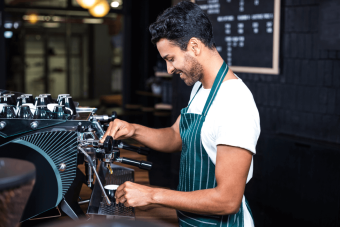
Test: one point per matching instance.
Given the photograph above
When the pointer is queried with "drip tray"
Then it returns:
(116, 210)
(98, 206)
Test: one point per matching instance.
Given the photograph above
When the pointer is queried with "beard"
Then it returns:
(194, 73)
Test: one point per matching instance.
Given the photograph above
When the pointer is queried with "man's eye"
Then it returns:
(171, 59)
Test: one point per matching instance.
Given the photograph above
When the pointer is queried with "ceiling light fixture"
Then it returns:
(87, 4)
(8, 25)
(114, 4)
(100, 9)
(33, 18)
(8, 34)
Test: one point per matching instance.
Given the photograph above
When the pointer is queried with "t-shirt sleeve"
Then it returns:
(238, 122)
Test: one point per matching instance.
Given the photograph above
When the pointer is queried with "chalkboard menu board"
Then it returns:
(246, 33)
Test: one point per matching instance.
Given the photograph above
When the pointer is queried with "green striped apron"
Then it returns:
(197, 171)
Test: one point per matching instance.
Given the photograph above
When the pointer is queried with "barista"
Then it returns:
(217, 132)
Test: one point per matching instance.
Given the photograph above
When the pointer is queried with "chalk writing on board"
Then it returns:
(243, 30)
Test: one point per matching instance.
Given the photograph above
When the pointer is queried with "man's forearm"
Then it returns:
(208, 201)
(164, 139)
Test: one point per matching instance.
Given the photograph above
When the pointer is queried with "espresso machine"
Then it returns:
(57, 136)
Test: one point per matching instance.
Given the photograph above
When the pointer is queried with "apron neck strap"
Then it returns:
(216, 86)
(195, 95)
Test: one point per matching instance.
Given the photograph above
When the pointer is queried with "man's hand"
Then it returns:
(134, 195)
(232, 166)
(164, 139)
(119, 130)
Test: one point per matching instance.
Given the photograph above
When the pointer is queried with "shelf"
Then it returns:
(162, 114)
(163, 74)
(57, 55)
(112, 99)
(133, 106)
(159, 106)
(148, 109)
(163, 106)
(147, 93)
(131, 113)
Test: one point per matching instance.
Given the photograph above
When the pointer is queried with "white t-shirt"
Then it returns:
(233, 118)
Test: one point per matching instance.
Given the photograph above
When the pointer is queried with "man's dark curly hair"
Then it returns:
(182, 22)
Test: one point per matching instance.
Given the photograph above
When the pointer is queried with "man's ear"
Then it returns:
(195, 46)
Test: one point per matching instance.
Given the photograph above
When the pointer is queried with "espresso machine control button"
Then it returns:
(34, 125)
(2, 125)
(62, 167)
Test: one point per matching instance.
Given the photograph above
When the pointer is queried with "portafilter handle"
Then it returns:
(140, 164)
(139, 150)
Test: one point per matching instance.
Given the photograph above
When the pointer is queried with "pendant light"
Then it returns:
(33, 18)
(100, 9)
(87, 4)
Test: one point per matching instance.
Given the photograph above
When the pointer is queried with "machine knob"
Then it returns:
(62, 167)
(80, 128)
(108, 145)
(2, 125)
(34, 124)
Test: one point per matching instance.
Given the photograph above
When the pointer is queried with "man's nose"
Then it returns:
(170, 68)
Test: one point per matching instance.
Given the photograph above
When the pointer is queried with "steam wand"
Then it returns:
(108, 202)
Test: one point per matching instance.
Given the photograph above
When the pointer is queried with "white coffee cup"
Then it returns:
(60, 96)
(2, 106)
(51, 106)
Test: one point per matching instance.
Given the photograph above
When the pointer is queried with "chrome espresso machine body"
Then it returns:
(57, 136)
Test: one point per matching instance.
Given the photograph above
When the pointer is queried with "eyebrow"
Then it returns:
(164, 57)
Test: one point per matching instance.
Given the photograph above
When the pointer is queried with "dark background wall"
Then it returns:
(296, 171)
(140, 58)
(296, 174)
(2, 46)
(140, 55)
(99, 61)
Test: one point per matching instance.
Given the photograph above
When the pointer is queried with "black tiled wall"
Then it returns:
(302, 100)
(296, 171)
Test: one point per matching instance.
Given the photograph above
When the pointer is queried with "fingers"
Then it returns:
(104, 136)
(114, 126)
(120, 192)
(121, 195)
(126, 204)
(122, 200)
(121, 133)
(107, 133)
(119, 129)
